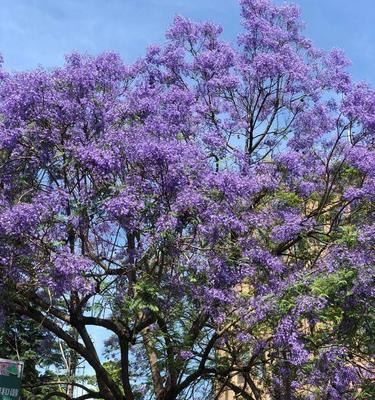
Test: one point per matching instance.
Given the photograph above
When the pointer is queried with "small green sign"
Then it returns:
(10, 379)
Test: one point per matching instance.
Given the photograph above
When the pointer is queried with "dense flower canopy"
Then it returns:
(217, 199)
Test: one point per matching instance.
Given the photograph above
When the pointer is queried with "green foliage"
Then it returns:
(290, 199)
(329, 285)
(348, 235)
(22, 339)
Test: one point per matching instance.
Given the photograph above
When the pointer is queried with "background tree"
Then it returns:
(23, 339)
(211, 206)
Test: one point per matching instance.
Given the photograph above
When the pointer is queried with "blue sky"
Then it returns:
(40, 32)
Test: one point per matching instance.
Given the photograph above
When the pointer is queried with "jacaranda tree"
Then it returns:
(210, 206)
